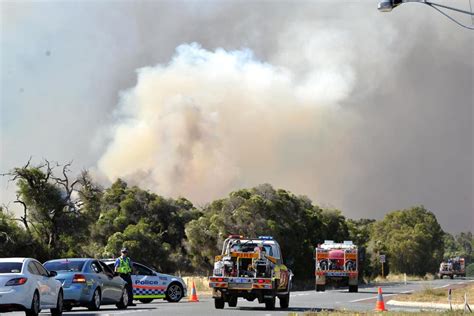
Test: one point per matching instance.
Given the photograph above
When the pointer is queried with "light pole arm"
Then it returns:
(448, 8)
(438, 5)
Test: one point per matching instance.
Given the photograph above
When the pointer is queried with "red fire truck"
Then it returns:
(336, 263)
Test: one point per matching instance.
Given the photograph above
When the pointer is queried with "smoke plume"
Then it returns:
(210, 121)
(363, 111)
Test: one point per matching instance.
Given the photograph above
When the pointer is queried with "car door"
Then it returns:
(115, 282)
(54, 285)
(147, 283)
(44, 285)
(103, 281)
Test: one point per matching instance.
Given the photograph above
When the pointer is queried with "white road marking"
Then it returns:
(370, 298)
(440, 287)
(406, 292)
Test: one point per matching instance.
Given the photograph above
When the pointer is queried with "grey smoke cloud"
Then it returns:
(364, 111)
(207, 121)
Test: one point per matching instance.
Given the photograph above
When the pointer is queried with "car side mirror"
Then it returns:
(52, 274)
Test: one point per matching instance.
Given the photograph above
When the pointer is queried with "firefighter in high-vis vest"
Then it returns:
(124, 267)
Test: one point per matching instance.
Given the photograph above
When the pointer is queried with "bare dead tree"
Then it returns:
(39, 180)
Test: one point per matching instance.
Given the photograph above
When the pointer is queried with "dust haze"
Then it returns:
(359, 110)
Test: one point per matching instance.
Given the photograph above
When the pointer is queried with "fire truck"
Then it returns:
(336, 263)
(251, 268)
(453, 267)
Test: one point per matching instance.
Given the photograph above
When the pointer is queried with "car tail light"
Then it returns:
(16, 281)
(79, 278)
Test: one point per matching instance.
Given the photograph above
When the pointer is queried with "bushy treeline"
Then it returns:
(65, 217)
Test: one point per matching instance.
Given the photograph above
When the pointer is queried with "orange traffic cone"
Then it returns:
(193, 297)
(380, 305)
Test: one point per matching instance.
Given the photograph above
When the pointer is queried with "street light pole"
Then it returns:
(389, 5)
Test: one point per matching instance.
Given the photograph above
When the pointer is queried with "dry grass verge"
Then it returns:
(401, 278)
(430, 294)
(344, 313)
(201, 283)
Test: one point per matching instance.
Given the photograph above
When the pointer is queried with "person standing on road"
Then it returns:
(124, 267)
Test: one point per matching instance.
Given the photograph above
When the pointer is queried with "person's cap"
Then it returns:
(124, 250)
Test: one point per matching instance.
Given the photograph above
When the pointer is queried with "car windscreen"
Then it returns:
(10, 267)
(70, 266)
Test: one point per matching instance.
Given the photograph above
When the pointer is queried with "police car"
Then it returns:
(149, 284)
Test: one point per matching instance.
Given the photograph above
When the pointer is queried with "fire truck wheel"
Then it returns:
(219, 303)
(285, 301)
(353, 288)
(320, 288)
(270, 303)
(233, 301)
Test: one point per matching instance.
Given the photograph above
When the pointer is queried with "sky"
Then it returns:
(363, 111)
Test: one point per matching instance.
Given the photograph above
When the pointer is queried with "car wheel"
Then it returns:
(174, 293)
(35, 306)
(146, 300)
(94, 304)
(353, 288)
(123, 300)
(67, 307)
(58, 311)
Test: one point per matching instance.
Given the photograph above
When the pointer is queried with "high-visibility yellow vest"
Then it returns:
(124, 265)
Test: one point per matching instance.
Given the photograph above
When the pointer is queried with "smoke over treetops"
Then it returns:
(364, 111)
(209, 122)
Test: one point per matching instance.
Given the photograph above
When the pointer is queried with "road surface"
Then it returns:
(338, 299)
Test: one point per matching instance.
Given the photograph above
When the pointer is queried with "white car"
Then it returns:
(149, 284)
(25, 285)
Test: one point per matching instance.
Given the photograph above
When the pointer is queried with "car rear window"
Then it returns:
(72, 266)
(10, 267)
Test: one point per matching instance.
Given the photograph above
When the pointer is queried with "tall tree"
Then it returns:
(51, 212)
(14, 241)
(140, 220)
(360, 233)
(293, 221)
(412, 239)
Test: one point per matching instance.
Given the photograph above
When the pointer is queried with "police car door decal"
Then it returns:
(148, 287)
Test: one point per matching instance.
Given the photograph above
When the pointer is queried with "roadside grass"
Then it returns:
(345, 313)
(429, 294)
(401, 278)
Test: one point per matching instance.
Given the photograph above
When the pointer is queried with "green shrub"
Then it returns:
(470, 270)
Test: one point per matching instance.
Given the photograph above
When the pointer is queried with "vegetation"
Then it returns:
(430, 294)
(412, 240)
(65, 216)
(389, 313)
(470, 270)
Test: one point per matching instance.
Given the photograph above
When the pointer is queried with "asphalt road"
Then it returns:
(338, 299)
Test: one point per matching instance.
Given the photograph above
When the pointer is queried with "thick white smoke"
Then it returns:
(209, 122)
